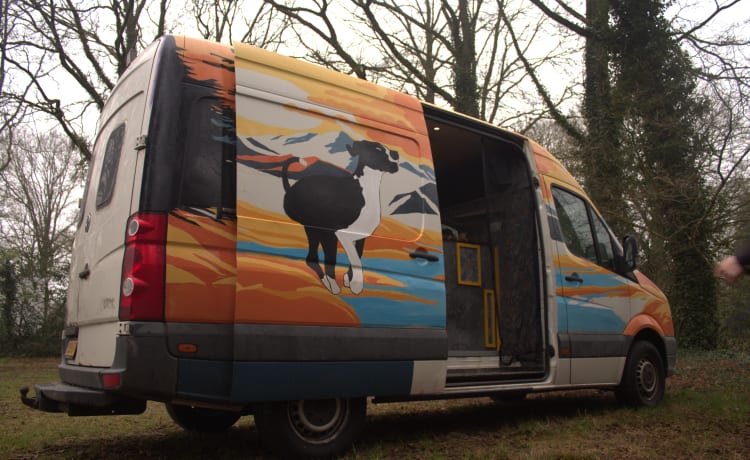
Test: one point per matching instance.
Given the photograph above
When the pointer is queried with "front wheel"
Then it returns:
(202, 420)
(643, 380)
(312, 428)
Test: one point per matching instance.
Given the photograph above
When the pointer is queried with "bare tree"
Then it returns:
(723, 57)
(317, 17)
(35, 233)
(11, 111)
(249, 22)
(454, 53)
(723, 60)
(214, 18)
(85, 43)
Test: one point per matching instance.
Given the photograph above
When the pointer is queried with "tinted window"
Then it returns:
(574, 223)
(109, 166)
(202, 163)
(604, 244)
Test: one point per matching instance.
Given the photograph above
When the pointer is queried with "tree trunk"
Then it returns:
(464, 68)
(9, 290)
(603, 166)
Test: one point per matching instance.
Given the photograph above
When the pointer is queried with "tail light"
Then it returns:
(143, 268)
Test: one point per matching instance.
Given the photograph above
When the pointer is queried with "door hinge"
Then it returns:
(140, 143)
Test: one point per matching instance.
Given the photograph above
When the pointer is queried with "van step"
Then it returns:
(498, 376)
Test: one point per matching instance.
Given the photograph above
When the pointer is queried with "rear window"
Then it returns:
(208, 146)
(108, 175)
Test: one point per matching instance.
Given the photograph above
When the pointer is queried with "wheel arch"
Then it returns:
(650, 335)
(645, 327)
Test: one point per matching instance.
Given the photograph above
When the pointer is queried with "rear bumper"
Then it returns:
(77, 401)
(142, 361)
(142, 369)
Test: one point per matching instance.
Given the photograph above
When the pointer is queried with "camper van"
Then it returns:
(262, 236)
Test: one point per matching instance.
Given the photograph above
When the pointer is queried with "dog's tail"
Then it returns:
(285, 172)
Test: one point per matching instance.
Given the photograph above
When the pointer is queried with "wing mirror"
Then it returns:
(630, 254)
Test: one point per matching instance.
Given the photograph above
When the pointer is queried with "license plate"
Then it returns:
(70, 348)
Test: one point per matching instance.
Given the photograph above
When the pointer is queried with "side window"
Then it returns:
(574, 223)
(203, 158)
(108, 175)
(604, 243)
(577, 220)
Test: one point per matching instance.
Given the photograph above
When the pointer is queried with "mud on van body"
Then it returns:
(263, 236)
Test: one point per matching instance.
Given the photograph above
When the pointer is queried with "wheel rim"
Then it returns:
(647, 379)
(320, 421)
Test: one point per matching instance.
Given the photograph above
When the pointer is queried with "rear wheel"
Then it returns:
(200, 419)
(312, 428)
(643, 380)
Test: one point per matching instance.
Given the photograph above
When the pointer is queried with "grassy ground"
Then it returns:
(706, 414)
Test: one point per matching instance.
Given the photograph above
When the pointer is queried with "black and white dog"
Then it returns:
(343, 208)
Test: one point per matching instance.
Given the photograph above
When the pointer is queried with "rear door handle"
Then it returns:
(84, 274)
(422, 253)
(574, 278)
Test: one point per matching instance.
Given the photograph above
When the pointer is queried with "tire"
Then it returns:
(202, 420)
(643, 380)
(312, 428)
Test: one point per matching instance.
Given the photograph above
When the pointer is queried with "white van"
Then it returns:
(263, 236)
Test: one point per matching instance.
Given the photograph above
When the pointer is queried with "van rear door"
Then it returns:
(111, 196)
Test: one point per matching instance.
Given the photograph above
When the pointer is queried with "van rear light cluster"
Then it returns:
(143, 268)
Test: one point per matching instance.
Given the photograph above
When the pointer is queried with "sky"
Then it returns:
(555, 78)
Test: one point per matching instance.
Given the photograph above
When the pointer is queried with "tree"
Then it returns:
(453, 53)
(86, 43)
(11, 111)
(652, 153)
(217, 20)
(722, 61)
(8, 293)
(661, 117)
(36, 231)
(734, 304)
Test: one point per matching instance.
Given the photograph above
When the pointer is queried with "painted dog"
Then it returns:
(345, 208)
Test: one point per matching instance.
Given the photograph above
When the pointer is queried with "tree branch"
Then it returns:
(572, 131)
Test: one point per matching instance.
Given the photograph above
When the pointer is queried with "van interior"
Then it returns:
(495, 320)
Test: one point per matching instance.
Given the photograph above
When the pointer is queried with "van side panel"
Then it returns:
(200, 269)
(339, 251)
(193, 111)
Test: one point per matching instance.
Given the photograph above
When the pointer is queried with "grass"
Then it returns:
(705, 414)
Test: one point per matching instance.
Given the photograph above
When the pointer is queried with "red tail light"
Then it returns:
(143, 268)
(111, 381)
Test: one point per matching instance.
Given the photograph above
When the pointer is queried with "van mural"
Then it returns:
(328, 188)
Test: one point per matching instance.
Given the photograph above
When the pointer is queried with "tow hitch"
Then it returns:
(79, 401)
(39, 403)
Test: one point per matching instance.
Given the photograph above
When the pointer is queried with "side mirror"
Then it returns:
(630, 254)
